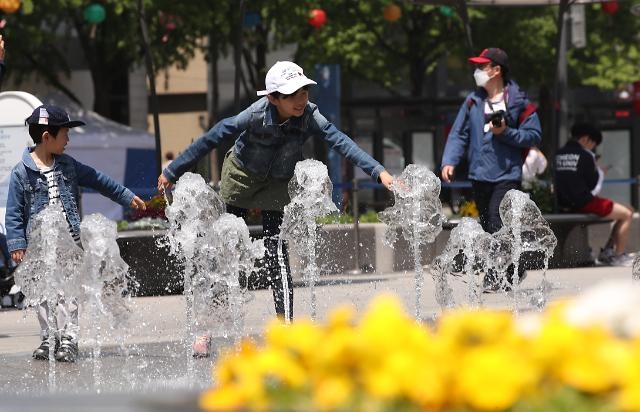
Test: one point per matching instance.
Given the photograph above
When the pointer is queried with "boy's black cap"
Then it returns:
(52, 116)
(492, 54)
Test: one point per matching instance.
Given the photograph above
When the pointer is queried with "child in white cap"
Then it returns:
(268, 141)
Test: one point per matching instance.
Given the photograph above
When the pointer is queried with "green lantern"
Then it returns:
(95, 13)
(446, 11)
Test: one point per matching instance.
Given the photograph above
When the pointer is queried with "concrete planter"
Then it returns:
(159, 273)
(336, 250)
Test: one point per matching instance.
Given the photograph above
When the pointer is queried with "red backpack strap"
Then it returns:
(528, 111)
(470, 102)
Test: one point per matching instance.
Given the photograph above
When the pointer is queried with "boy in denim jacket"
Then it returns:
(46, 176)
(268, 139)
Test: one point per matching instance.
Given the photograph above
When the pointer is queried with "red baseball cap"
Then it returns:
(492, 54)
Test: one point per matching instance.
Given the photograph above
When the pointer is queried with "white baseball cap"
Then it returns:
(285, 77)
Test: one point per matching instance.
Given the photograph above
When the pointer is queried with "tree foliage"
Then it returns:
(528, 34)
(369, 47)
(611, 57)
(395, 55)
(42, 39)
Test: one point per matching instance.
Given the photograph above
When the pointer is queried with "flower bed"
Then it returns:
(472, 360)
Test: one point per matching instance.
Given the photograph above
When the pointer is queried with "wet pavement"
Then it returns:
(149, 366)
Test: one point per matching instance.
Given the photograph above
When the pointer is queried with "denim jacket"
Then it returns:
(268, 149)
(492, 158)
(28, 194)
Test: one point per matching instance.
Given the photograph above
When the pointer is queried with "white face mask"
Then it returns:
(481, 77)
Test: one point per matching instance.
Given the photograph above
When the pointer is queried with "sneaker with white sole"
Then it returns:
(202, 346)
(623, 260)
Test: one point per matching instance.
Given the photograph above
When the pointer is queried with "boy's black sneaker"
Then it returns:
(68, 351)
(42, 351)
(492, 283)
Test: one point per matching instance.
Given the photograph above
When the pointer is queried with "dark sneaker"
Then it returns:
(606, 255)
(491, 283)
(42, 351)
(68, 351)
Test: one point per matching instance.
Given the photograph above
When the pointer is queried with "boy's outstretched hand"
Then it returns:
(137, 203)
(386, 178)
(163, 183)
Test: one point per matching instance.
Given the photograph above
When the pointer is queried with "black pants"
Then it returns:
(488, 196)
(276, 259)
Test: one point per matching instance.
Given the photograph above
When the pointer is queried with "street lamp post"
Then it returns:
(152, 85)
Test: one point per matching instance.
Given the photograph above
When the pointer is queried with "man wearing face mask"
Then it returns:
(494, 128)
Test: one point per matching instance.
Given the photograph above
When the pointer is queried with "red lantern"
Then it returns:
(392, 13)
(317, 18)
(610, 7)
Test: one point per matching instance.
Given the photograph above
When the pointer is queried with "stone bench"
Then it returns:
(571, 231)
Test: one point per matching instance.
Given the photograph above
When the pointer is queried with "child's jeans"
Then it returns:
(65, 319)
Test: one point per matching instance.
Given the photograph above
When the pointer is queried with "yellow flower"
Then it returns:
(595, 367)
(494, 377)
(555, 340)
(480, 360)
(629, 396)
(468, 328)
(332, 392)
(224, 399)
(385, 326)
(279, 367)
(226, 368)
(341, 317)
(301, 337)
(469, 209)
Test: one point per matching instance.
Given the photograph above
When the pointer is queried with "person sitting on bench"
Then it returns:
(576, 178)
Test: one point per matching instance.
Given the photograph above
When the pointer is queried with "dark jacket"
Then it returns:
(576, 175)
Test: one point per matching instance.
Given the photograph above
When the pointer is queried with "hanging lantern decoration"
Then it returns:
(94, 13)
(610, 7)
(317, 18)
(169, 23)
(392, 13)
(9, 6)
(446, 11)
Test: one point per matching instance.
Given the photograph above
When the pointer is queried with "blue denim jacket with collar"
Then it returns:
(268, 149)
(29, 194)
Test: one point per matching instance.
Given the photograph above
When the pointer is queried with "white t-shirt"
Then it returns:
(492, 107)
(54, 193)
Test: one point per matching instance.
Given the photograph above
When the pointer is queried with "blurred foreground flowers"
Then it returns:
(472, 360)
